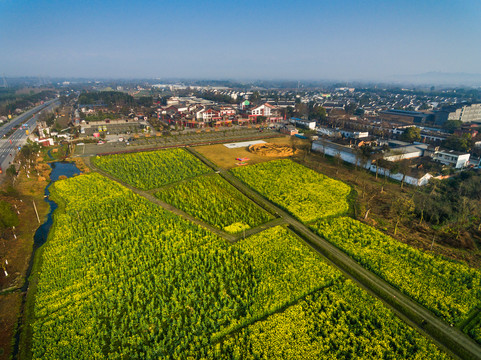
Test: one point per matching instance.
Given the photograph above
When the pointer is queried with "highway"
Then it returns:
(9, 145)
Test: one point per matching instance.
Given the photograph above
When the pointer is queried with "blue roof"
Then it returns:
(404, 112)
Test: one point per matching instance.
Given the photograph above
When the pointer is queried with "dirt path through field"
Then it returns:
(443, 334)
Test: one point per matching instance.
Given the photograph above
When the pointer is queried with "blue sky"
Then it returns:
(342, 39)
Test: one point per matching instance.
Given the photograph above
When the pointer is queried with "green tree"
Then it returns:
(452, 125)
(261, 119)
(461, 143)
(255, 97)
(350, 108)
(317, 113)
(411, 134)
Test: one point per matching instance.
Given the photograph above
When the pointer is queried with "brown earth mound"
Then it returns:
(268, 149)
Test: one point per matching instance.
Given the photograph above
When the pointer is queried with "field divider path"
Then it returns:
(472, 320)
(229, 237)
(255, 319)
(168, 186)
(448, 337)
(260, 228)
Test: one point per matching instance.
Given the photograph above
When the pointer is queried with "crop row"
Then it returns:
(150, 170)
(305, 193)
(121, 276)
(216, 202)
(447, 288)
(337, 322)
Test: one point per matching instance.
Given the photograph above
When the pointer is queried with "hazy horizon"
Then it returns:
(346, 40)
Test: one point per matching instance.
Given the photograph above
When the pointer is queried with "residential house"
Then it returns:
(271, 112)
(288, 130)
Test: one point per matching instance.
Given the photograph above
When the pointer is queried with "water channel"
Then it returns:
(59, 168)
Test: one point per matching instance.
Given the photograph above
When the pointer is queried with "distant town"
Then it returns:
(408, 134)
(193, 215)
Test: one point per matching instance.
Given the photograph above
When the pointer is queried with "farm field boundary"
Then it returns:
(450, 338)
(95, 149)
(232, 238)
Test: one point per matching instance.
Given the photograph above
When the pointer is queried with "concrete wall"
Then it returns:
(348, 155)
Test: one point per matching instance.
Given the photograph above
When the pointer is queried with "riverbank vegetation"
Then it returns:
(20, 191)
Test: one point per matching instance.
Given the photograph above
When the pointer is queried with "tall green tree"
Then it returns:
(461, 143)
(411, 134)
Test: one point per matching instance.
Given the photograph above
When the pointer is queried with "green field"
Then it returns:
(215, 201)
(150, 170)
(447, 288)
(305, 193)
(122, 278)
(475, 332)
(338, 322)
(286, 269)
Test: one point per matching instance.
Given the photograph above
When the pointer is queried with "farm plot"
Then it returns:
(150, 170)
(285, 266)
(120, 277)
(216, 202)
(305, 193)
(475, 332)
(337, 322)
(447, 288)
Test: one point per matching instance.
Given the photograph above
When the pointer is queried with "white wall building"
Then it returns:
(355, 134)
(451, 157)
(304, 123)
(348, 154)
(264, 110)
(406, 152)
(467, 113)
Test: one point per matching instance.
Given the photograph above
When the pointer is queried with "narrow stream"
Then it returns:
(58, 169)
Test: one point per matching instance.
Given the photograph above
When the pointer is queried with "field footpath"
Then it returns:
(148, 194)
(447, 337)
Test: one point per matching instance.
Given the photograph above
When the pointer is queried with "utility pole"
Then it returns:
(5, 85)
(36, 211)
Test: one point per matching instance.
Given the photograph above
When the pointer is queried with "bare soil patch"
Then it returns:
(273, 150)
(9, 312)
(227, 158)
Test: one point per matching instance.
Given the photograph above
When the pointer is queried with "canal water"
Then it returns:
(59, 168)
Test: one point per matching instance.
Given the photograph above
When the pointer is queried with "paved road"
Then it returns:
(450, 338)
(190, 138)
(9, 146)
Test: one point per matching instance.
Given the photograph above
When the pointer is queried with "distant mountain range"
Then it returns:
(440, 78)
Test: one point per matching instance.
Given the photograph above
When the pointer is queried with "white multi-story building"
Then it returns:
(264, 110)
(467, 113)
(451, 157)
